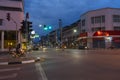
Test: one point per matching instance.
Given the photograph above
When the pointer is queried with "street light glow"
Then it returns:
(33, 32)
(74, 30)
(40, 25)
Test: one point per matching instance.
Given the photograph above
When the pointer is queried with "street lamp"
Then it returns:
(74, 30)
(60, 31)
(40, 25)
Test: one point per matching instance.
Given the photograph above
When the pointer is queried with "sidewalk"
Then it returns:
(7, 59)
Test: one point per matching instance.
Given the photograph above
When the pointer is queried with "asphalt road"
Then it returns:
(67, 65)
(82, 65)
(18, 72)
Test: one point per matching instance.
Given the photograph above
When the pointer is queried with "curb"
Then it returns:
(19, 62)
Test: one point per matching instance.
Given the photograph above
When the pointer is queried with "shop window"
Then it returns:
(1, 22)
(116, 27)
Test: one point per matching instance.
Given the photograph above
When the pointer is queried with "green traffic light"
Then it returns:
(50, 27)
(45, 28)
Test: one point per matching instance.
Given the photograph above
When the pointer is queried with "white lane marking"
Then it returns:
(9, 69)
(8, 76)
(3, 63)
(29, 61)
(39, 67)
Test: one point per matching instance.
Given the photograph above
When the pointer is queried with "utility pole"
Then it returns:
(10, 18)
(60, 30)
(26, 27)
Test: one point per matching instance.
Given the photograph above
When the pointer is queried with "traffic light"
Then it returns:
(45, 27)
(49, 27)
(8, 16)
(29, 26)
(23, 27)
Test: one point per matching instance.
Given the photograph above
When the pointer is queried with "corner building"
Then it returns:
(100, 28)
(9, 30)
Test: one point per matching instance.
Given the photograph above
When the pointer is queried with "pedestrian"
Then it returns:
(18, 47)
(10, 48)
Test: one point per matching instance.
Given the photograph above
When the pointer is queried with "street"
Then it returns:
(67, 65)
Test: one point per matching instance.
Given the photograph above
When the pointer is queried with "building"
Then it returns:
(70, 34)
(9, 30)
(100, 28)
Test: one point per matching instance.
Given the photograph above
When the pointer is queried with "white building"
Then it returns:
(105, 20)
(9, 30)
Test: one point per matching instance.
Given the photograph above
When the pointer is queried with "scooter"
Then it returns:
(19, 53)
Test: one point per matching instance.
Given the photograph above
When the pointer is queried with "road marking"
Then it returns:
(29, 61)
(9, 76)
(3, 70)
(3, 63)
(39, 67)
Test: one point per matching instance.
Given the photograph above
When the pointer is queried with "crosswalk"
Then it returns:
(9, 73)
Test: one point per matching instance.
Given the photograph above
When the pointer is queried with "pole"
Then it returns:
(8, 18)
(26, 26)
(60, 29)
(16, 28)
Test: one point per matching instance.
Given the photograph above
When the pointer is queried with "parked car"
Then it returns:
(35, 48)
(82, 47)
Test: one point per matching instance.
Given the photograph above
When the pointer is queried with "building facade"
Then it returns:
(10, 30)
(99, 28)
(95, 29)
(70, 34)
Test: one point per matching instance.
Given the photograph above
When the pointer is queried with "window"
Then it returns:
(10, 8)
(83, 30)
(116, 27)
(103, 19)
(1, 22)
(10, 35)
(83, 22)
(15, 0)
(116, 18)
(98, 19)
(92, 20)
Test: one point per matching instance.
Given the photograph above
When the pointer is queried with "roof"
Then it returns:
(99, 10)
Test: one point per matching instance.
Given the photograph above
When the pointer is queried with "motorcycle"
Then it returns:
(17, 53)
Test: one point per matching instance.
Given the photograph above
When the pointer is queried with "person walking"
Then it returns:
(18, 47)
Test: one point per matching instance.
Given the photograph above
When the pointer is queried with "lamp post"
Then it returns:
(60, 30)
(75, 36)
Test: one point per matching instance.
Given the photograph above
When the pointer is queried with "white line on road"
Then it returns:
(8, 76)
(3, 63)
(39, 67)
(29, 61)
(10, 69)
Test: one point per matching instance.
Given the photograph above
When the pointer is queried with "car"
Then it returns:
(35, 48)
(82, 47)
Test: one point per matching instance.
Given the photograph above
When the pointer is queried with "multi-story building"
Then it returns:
(70, 34)
(100, 28)
(9, 30)
(96, 29)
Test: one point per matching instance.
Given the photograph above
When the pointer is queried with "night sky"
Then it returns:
(49, 11)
